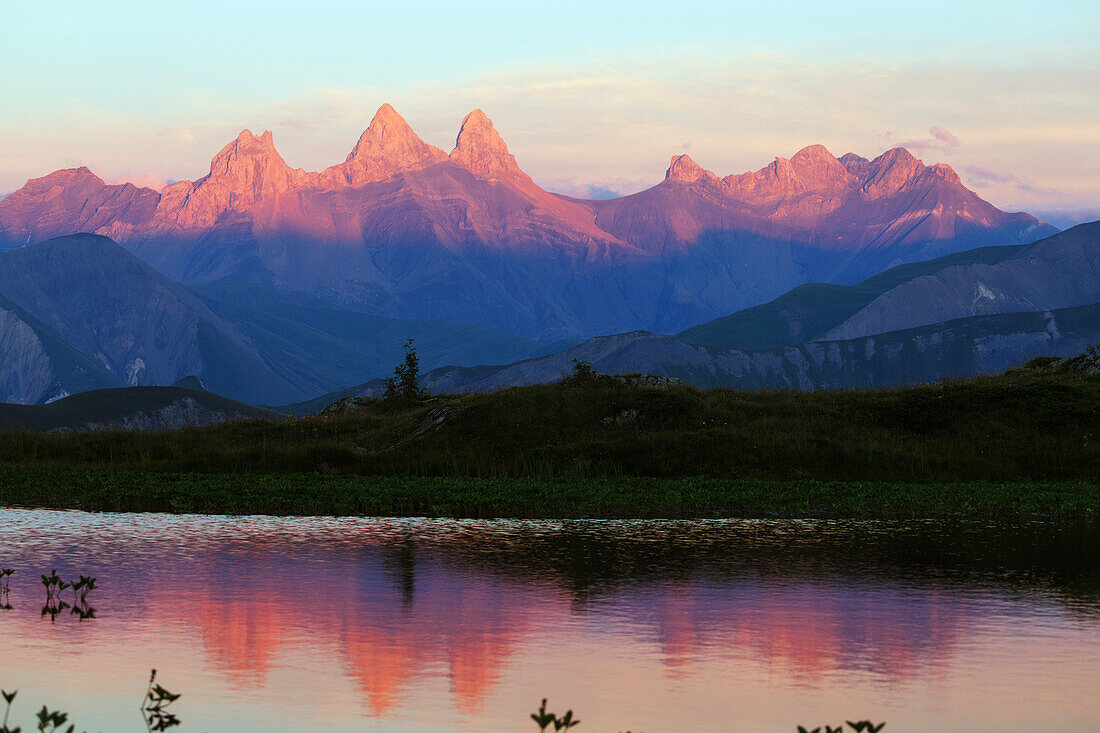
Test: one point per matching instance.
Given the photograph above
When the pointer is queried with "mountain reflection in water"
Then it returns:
(391, 624)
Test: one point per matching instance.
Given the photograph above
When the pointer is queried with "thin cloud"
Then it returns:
(983, 176)
(938, 139)
(980, 177)
(944, 136)
(178, 134)
(318, 110)
(1066, 218)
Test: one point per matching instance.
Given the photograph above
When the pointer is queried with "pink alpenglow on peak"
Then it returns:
(682, 168)
(814, 169)
(388, 146)
(889, 172)
(244, 174)
(946, 172)
(817, 168)
(73, 200)
(480, 149)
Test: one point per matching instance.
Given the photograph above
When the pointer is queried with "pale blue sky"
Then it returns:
(586, 93)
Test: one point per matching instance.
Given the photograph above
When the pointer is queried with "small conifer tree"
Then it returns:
(405, 382)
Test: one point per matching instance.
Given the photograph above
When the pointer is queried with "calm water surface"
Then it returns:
(440, 625)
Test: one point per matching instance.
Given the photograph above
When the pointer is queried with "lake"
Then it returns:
(318, 624)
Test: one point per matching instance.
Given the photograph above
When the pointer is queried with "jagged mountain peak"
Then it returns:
(480, 149)
(245, 173)
(249, 145)
(816, 168)
(389, 135)
(387, 129)
(897, 159)
(64, 177)
(946, 172)
(475, 119)
(816, 153)
(812, 168)
(682, 168)
(388, 145)
(889, 172)
(857, 165)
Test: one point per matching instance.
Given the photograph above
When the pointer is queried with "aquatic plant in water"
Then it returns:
(8, 698)
(544, 719)
(80, 588)
(153, 711)
(5, 588)
(49, 721)
(154, 706)
(54, 605)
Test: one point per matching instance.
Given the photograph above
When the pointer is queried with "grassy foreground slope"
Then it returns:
(1019, 442)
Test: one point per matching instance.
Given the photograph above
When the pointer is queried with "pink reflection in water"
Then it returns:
(290, 627)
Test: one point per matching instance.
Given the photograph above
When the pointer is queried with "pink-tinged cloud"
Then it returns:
(938, 139)
(944, 136)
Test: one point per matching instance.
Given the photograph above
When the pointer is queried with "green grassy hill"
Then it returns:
(1029, 425)
(1019, 443)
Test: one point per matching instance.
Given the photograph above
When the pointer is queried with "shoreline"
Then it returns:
(310, 494)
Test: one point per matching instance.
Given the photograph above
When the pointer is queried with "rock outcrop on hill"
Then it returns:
(130, 408)
(960, 348)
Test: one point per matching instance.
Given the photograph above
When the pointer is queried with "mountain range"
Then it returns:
(402, 229)
(279, 286)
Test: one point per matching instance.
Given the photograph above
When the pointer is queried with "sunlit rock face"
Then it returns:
(480, 149)
(70, 201)
(246, 174)
(401, 228)
(387, 147)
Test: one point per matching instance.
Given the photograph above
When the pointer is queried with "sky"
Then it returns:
(592, 97)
